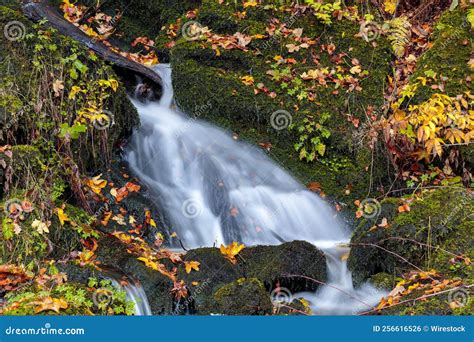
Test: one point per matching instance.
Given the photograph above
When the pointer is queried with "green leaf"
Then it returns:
(73, 131)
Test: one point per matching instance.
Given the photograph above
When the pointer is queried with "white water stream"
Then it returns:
(135, 294)
(216, 190)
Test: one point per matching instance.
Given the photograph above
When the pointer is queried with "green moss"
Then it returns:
(271, 265)
(441, 219)
(383, 281)
(74, 299)
(243, 297)
(452, 41)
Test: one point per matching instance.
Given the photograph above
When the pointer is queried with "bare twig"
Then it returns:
(329, 285)
(388, 251)
(416, 299)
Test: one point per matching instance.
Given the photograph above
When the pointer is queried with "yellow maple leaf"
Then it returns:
(231, 251)
(96, 184)
(191, 265)
(247, 80)
(390, 6)
(250, 4)
(62, 216)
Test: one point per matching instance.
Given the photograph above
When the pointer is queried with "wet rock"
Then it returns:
(210, 288)
(156, 286)
(243, 297)
(271, 265)
(439, 224)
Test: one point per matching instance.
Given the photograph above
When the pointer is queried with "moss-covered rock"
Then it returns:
(439, 226)
(243, 297)
(219, 286)
(383, 281)
(156, 13)
(271, 265)
(156, 286)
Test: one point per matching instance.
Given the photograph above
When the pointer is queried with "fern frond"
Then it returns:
(399, 34)
(470, 16)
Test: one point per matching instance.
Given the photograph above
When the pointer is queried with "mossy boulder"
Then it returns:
(157, 287)
(156, 13)
(243, 297)
(272, 265)
(439, 225)
(219, 286)
(452, 41)
(383, 281)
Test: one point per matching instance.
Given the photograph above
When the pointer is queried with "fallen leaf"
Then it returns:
(50, 304)
(96, 184)
(231, 251)
(191, 265)
(62, 216)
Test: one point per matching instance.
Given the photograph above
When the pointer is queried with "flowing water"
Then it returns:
(135, 294)
(216, 189)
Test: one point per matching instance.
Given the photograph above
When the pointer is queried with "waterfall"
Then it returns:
(215, 189)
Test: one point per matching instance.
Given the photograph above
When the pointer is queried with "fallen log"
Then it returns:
(37, 11)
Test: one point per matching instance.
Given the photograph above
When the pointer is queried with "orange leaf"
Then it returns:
(191, 265)
(231, 251)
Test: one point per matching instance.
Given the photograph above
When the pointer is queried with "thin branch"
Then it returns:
(329, 285)
(388, 251)
(421, 244)
(416, 299)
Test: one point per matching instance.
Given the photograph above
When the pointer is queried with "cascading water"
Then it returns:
(136, 295)
(218, 190)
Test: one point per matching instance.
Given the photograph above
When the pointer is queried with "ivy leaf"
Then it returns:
(72, 131)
